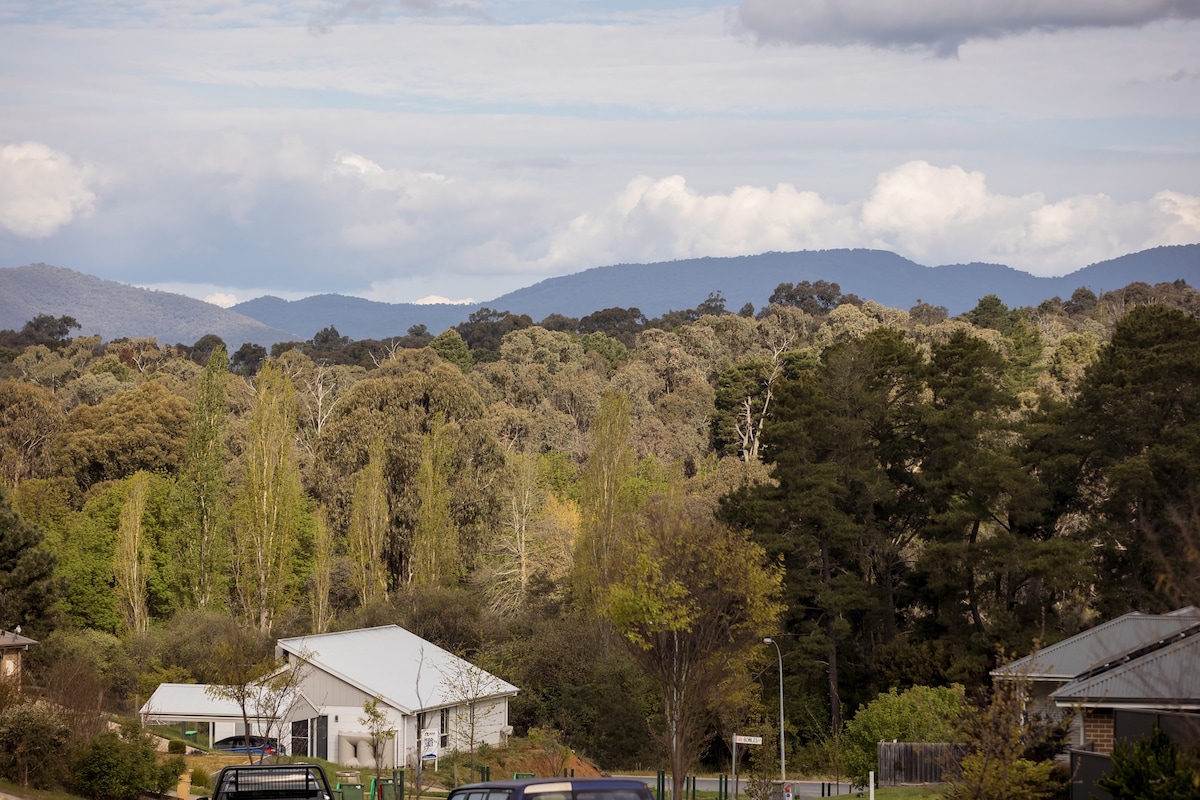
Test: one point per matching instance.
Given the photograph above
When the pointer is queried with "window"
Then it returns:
(444, 729)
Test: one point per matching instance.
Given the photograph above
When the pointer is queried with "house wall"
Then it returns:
(10, 664)
(490, 718)
(1042, 704)
(348, 739)
(1098, 729)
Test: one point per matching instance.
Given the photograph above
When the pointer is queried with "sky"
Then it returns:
(412, 150)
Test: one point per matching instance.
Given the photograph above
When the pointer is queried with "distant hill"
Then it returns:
(115, 310)
(674, 285)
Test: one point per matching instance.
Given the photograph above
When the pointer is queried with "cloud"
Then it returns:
(41, 190)
(222, 299)
(437, 299)
(942, 26)
(667, 218)
(933, 215)
(323, 21)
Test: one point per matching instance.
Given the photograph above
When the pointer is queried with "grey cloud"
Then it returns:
(324, 21)
(941, 26)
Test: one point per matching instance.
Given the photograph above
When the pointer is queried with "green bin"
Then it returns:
(388, 790)
(351, 791)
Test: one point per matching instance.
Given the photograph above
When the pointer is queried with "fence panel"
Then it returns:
(917, 762)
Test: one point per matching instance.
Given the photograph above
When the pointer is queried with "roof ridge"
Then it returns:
(1141, 651)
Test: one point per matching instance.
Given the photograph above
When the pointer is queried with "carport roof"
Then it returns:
(191, 701)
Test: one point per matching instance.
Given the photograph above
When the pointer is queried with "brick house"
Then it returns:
(1120, 679)
(1136, 661)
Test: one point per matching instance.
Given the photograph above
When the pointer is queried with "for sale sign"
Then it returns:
(429, 744)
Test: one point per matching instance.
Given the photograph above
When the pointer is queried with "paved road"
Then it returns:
(799, 788)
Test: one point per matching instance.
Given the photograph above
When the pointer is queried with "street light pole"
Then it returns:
(782, 756)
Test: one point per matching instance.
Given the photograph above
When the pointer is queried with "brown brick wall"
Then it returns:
(1098, 729)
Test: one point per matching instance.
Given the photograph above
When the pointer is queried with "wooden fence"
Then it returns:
(917, 762)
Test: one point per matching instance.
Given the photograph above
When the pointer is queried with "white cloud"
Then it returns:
(41, 190)
(222, 299)
(933, 215)
(437, 299)
(942, 25)
(666, 218)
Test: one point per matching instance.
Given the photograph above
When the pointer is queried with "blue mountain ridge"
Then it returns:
(655, 288)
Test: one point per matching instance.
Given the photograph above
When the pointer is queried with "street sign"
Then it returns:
(737, 739)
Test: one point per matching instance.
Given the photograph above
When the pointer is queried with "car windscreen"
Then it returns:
(483, 794)
(612, 794)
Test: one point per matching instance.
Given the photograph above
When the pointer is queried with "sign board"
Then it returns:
(747, 739)
(787, 791)
(429, 743)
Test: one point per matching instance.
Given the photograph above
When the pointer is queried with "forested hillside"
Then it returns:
(894, 496)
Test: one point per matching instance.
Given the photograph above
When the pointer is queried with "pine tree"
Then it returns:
(29, 586)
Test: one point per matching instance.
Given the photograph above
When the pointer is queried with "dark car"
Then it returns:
(555, 789)
(259, 745)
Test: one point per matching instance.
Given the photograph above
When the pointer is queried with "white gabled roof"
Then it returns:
(406, 671)
(176, 701)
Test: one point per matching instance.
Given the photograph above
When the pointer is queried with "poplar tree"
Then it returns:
(268, 509)
(604, 497)
(370, 517)
(434, 555)
(322, 572)
(204, 537)
(130, 563)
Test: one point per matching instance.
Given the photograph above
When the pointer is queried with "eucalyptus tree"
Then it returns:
(400, 404)
(29, 417)
(139, 429)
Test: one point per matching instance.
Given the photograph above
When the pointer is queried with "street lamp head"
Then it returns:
(768, 640)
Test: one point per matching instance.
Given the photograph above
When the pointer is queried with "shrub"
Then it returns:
(167, 773)
(176, 747)
(200, 777)
(31, 739)
(919, 714)
(114, 768)
(1150, 769)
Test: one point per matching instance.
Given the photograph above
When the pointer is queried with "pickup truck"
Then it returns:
(271, 782)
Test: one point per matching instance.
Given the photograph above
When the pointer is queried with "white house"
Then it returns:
(418, 686)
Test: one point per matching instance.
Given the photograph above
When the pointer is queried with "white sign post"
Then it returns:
(739, 739)
(429, 746)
